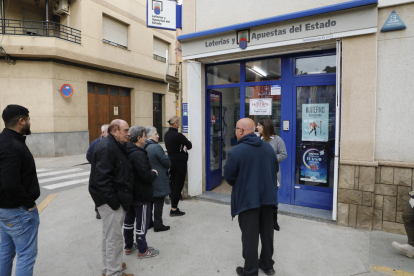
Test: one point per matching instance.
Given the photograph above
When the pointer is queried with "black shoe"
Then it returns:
(162, 228)
(269, 271)
(239, 271)
(98, 216)
(176, 213)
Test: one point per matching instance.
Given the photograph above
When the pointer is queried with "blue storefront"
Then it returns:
(286, 68)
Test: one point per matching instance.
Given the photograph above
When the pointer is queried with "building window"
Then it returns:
(114, 32)
(316, 65)
(160, 49)
(157, 114)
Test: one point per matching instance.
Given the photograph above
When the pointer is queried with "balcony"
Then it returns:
(39, 28)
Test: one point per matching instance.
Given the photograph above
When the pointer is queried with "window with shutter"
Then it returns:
(115, 32)
(160, 48)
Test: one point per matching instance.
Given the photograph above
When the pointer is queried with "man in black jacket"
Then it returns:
(140, 210)
(19, 188)
(177, 145)
(110, 185)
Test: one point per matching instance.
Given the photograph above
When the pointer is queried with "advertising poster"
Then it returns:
(315, 122)
(185, 118)
(314, 166)
(260, 107)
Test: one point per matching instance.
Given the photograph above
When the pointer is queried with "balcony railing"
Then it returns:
(39, 28)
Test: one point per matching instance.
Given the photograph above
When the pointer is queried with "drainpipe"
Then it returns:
(3, 19)
(47, 16)
(337, 126)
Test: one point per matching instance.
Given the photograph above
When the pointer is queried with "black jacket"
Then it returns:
(175, 142)
(111, 176)
(92, 148)
(143, 174)
(18, 179)
(251, 169)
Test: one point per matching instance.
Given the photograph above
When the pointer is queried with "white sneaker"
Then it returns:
(404, 248)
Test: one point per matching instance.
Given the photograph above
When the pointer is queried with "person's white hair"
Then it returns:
(149, 130)
(103, 127)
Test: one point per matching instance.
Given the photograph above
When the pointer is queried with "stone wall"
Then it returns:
(373, 198)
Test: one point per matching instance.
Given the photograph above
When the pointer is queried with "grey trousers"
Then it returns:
(112, 240)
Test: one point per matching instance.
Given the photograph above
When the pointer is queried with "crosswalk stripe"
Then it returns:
(41, 181)
(58, 172)
(41, 170)
(67, 183)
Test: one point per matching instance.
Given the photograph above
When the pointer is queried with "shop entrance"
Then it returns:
(300, 94)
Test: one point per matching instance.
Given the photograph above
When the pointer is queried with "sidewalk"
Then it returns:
(207, 242)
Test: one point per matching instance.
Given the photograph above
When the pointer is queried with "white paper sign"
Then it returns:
(276, 90)
(260, 107)
(115, 110)
(161, 14)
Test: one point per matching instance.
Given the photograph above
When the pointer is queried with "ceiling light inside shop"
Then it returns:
(254, 71)
(260, 71)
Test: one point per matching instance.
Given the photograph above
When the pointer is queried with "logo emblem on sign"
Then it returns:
(66, 90)
(157, 7)
(243, 37)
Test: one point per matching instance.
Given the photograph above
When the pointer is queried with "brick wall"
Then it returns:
(373, 198)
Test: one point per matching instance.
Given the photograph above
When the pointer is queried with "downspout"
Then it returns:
(47, 16)
(3, 19)
(337, 126)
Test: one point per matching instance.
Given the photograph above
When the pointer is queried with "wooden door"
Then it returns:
(106, 103)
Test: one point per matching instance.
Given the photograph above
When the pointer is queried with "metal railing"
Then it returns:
(39, 28)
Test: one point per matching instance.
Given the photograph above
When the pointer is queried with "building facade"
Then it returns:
(335, 86)
(101, 51)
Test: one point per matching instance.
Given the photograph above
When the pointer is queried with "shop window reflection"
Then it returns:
(263, 70)
(316, 65)
(223, 74)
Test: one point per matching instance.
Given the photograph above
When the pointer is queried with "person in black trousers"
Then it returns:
(177, 145)
(251, 169)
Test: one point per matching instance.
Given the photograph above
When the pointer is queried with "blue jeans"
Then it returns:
(18, 233)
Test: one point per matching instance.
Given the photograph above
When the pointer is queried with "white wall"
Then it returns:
(195, 128)
(395, 97)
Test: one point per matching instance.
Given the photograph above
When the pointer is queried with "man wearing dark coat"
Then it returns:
(252, 169)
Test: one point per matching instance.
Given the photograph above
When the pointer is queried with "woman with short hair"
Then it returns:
(161, 185)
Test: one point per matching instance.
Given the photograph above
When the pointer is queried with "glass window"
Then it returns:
(263, 70)
(265, 92)
(125, 92)
(91, 88)
(223, 74)
(102, 90)
(114, 91)
(315, 135)
(157, 114)
(316, 65)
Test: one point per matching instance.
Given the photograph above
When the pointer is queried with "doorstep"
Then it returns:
(284, 209)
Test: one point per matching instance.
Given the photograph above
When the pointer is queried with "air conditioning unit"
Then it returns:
(61, 7)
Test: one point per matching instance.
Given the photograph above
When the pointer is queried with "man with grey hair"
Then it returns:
(140, 209)
(104, 134)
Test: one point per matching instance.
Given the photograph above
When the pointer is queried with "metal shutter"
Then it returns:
(114, 31)
(160, 47)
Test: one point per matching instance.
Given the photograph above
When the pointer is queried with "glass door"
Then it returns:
(215, 139)
(314, 145)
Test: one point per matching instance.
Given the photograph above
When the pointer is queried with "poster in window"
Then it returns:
(315, 122)
(314, 167)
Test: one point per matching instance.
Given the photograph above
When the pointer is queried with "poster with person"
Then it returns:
(314, 167)
(315, 122)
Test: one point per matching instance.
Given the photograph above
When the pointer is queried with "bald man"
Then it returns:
(251, 169)
(110, 185)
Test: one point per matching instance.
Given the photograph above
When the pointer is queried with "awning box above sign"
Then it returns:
(307, 29)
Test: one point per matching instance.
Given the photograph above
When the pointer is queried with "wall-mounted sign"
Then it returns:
(315, 122)
(185, 118)
(314, 166)
(115, 111)
(260, 107)
(394, 23)
(66, 90)
(162, 14)
(276, 90)
(307, 29)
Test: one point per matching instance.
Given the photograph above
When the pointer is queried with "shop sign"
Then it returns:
(185, 118)
(314, 165)
(308, 29)
(315, 122)
(260, 107)
(276, 90)
(66, 90)
(394, 23)
(161, 14)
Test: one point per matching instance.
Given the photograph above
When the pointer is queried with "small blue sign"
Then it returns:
(185, 118)
(394, 23)
(66, 90)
